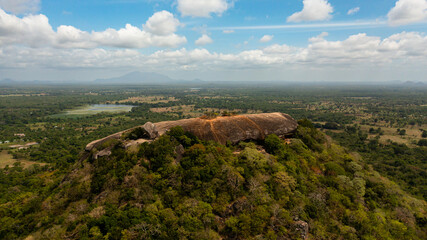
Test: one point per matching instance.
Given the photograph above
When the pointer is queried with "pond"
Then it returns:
(99, 108)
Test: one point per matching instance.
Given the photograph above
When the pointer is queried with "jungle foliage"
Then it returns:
(179, 187)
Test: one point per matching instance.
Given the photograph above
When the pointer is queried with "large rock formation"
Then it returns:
(221, 129)
(235, 128)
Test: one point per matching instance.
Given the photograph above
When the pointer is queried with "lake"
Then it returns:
(100, 108)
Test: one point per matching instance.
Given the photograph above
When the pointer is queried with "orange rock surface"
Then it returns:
(222, 129)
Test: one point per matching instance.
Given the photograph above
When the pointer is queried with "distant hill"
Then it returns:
(137, 78)
(411, 83)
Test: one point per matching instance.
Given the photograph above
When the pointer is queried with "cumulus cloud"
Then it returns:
(25, 57)
(134, 37)
(20, 6)
(162, 23)
(35, 31)
(408, 11)
(203, 40)
(353, 11)
(313, 10)
(266, 38)
(202, 8)
(357, 50)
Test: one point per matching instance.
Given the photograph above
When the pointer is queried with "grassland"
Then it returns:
(99, 108)
(95, 109)
(7, 160)
(390, 134)
(147, 99)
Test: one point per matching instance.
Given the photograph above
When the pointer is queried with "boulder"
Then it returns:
(103, 153)
(151, 130)
(302, 228)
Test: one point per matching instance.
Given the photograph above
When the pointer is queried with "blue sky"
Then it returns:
(99, 15)
(293, 40)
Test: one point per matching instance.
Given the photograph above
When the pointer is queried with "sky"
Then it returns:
(215, 40)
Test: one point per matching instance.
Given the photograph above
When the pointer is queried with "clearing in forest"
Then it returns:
(7, 159)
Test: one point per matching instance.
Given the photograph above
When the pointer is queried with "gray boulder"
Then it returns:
(151, 130)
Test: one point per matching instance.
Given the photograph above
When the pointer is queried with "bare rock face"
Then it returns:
(221, 129)
(99, 142)
(302, 228)
(235, 128)
(151, 130)
(103, 153)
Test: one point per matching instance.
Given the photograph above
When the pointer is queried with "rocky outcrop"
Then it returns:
(235, 128)
(221, 129)
(99, 142)
(302, 228)
(103, 153)
(151, 130)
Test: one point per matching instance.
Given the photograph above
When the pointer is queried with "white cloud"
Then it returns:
(35, 31)
(202, 8)
(359, 49)
(320, 37)
(266, 38)
(356, 50)
(203, 40)
(277, 49)
(408, 11)
(314, 10)
(133, 37)
(24, 57)
(353, 11)
(228, 31)
(20, 6)
(396, 51)
(162, 23)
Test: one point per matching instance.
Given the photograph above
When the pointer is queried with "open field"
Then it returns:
(183, 110)
(37, 126)
(148, 99)
(413, 134)
(7, 160)
(99, 108)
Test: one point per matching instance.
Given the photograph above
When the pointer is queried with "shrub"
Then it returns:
(273, 144)
(138, 133)
(334, 169)
(422, 142)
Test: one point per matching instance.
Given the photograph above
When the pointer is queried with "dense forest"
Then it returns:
(179, 187)
(405, 165)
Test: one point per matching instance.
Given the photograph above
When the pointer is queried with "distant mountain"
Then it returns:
(137, 78)
(411, 83)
